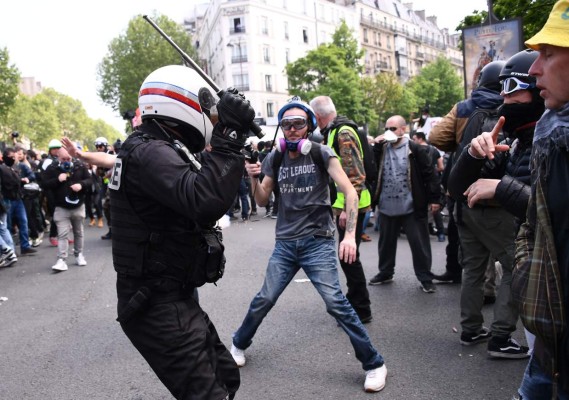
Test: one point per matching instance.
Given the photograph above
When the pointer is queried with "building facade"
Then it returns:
(247, 43)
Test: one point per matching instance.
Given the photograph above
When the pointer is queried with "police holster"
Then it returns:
(137, 302)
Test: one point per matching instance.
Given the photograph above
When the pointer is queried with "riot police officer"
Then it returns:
(165, 200)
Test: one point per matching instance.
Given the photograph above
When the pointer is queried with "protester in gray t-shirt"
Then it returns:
(305, 236)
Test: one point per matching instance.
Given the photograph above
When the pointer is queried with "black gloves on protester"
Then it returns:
(235, 117)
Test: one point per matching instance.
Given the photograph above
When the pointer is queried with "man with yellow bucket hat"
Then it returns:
(541, 276)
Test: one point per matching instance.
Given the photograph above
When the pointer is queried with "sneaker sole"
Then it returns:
(373, 390)
(510, 356)
(381, 283)
(482, 340)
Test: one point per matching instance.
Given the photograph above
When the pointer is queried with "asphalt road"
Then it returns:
(59, 338)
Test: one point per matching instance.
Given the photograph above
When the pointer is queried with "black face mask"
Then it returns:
(9, 161)
(519, 114)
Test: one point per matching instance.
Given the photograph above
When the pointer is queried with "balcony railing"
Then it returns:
(238, 59)
(242, 88)
(235, 30)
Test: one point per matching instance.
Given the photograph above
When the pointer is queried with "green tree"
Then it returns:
(50, 114)
(36, 119)
(438, 85)
(134, 55)
(385, 96)
(333, 70)
(534, 14)
(9, 80)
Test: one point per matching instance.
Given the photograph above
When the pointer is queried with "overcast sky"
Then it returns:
(61, 42)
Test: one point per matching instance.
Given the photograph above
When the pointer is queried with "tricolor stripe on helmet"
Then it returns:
(171, 91)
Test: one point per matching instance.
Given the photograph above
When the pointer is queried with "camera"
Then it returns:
(251, 155)
(15, 134)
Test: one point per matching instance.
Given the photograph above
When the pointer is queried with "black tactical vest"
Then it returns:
(166, 251)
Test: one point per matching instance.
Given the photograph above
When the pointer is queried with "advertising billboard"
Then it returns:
(486, 43)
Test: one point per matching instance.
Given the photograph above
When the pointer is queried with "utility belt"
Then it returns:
(146, 297)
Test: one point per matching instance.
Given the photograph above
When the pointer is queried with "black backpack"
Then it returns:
(369, 160)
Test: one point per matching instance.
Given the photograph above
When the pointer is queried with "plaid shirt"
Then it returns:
(537, 286)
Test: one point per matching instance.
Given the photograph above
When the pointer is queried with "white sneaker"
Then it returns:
(60, 265)
(375, 379)
(80, 260)
(238, 355)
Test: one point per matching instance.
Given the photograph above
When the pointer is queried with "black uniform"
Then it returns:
(159, 204)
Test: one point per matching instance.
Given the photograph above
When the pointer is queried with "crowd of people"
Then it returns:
(502, 180)
(46, 195)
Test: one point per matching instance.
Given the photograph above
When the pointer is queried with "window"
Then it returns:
(238, 26)
(286, 30)
(269, 83)
(270, 109)
(305, 35)
(365, 35)
(241, 82)
(287, 55)
(266, 55)
(264, 26)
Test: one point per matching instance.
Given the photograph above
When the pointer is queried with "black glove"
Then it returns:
(226, 139)
(234, 111)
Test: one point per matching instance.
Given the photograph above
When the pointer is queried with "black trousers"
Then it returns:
(358, 294)
(417, 233)
(182, 346)
(453, 266)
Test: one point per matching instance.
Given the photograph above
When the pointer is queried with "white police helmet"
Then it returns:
(101, 141)
(182, 99)
(54, 144)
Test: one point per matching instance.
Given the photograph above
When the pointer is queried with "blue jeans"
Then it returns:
(318, 259)
(5, 235)
(17, 213)
(537, 385)
(244, 196)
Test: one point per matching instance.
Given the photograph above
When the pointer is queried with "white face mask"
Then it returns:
(390, 137)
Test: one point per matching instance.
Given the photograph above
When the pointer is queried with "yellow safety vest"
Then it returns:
(365, 196)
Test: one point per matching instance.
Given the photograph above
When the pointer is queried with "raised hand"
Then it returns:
(235, 112)
(484, 145)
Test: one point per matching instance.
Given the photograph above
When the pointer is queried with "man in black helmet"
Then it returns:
(164, 205)
(493, 186)
(447, 135)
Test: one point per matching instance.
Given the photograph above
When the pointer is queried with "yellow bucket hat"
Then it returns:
(555, 32)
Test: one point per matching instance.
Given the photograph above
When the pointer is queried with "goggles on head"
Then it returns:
(295, 122)
(511, 85)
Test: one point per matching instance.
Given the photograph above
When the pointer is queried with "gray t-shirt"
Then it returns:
(396, 198)
(304, 203)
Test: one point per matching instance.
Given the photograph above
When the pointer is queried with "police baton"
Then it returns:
(256, 129)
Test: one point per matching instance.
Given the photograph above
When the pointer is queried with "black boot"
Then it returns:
(108, 236)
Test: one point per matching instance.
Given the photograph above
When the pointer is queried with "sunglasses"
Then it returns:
(297, 123)
(392, 128)
(511, 85)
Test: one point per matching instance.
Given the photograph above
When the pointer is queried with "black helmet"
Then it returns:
(490, 76)
(518, 66)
